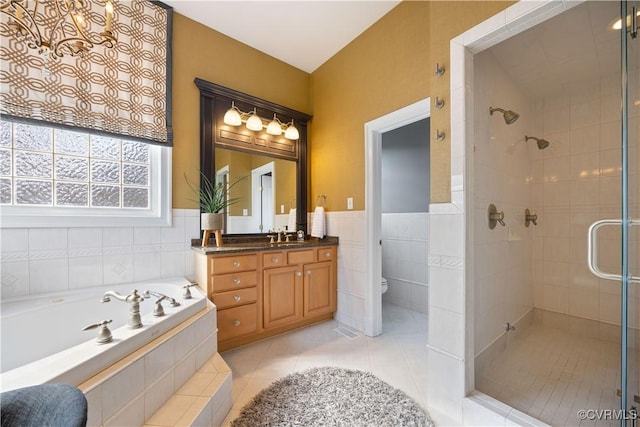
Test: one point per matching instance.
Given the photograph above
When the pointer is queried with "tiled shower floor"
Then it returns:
(398, 356)
(551, 374)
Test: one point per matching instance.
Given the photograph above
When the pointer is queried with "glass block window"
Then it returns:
(44, 166)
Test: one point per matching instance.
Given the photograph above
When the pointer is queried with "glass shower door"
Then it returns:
(629, 219)
(630, 213)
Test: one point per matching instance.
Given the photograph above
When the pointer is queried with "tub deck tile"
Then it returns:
(199, 399)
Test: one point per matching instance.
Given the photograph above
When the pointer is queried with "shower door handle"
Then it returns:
(592, 249)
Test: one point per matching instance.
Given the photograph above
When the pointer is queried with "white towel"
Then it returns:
(317, 227)
(291, 225)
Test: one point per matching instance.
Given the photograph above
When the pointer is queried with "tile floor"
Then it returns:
(398, 356)
(550, 374)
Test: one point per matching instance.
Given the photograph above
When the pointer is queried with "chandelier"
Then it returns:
(56, 27)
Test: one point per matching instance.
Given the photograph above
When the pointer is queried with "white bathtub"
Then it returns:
(42, 340)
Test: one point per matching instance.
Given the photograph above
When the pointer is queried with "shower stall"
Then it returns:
(557, 278)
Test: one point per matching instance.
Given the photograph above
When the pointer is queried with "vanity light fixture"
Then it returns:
(57, 27)
(234, 117)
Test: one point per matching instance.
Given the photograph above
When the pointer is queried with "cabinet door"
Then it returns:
(319, 288)
(282, 296)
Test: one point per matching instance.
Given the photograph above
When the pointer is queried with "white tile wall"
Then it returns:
(41, 260)
(502, 175)
(349, 227)
(578, 179)
(405, 249)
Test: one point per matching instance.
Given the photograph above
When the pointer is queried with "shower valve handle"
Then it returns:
(495, 216)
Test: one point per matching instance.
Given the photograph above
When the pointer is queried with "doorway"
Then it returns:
(373, 203)
(263, 198)
(405, 217)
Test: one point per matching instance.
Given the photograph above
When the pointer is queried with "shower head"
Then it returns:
(542, 143)
(509, 116)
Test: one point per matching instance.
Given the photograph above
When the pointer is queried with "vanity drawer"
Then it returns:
(232, 298)
(327, 253)
(227, 282)
(222, 265)
(237, 321)
(272, 259)
(300, 257)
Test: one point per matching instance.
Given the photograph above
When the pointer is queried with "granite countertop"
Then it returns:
(252, 244)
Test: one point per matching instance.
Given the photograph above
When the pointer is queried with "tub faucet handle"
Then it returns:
(104, 334)
(187, 293)
(158, 310)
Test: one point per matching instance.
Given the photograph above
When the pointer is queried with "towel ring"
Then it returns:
(323, 201)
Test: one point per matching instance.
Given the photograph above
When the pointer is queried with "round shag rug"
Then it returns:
(331, 397)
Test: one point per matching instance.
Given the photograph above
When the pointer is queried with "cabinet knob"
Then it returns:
(309, 273)
(274, 260)
(299, 273)
(236, 298)
(236, 281)
(236, 264)
(236, 323)
(327, 254)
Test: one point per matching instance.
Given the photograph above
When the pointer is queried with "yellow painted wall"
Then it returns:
(389, 66)
(199, 51)
(386, 68)
(448, 20)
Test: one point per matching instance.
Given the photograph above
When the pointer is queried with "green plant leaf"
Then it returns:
(212, 198)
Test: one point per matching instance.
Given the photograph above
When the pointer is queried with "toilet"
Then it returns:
(384, 286)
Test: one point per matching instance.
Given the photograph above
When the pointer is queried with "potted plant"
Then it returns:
(213, 199)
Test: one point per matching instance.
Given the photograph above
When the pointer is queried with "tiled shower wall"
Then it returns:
(405, 259)
(577, 182)
(40, 260)
(503, 276)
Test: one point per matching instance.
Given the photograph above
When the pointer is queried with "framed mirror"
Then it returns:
(267, 173)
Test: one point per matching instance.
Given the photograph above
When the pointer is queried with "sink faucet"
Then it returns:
(134, 299)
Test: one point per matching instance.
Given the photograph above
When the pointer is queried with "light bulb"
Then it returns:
(291, 132)
(232, 117)
(254, 122)
(274, 127)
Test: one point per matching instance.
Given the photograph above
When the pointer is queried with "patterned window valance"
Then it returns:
(122, 91)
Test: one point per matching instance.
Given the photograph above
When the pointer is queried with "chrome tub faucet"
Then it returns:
(134, 299)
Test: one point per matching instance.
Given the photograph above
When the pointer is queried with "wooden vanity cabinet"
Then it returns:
(304, 289)
(263, 293)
